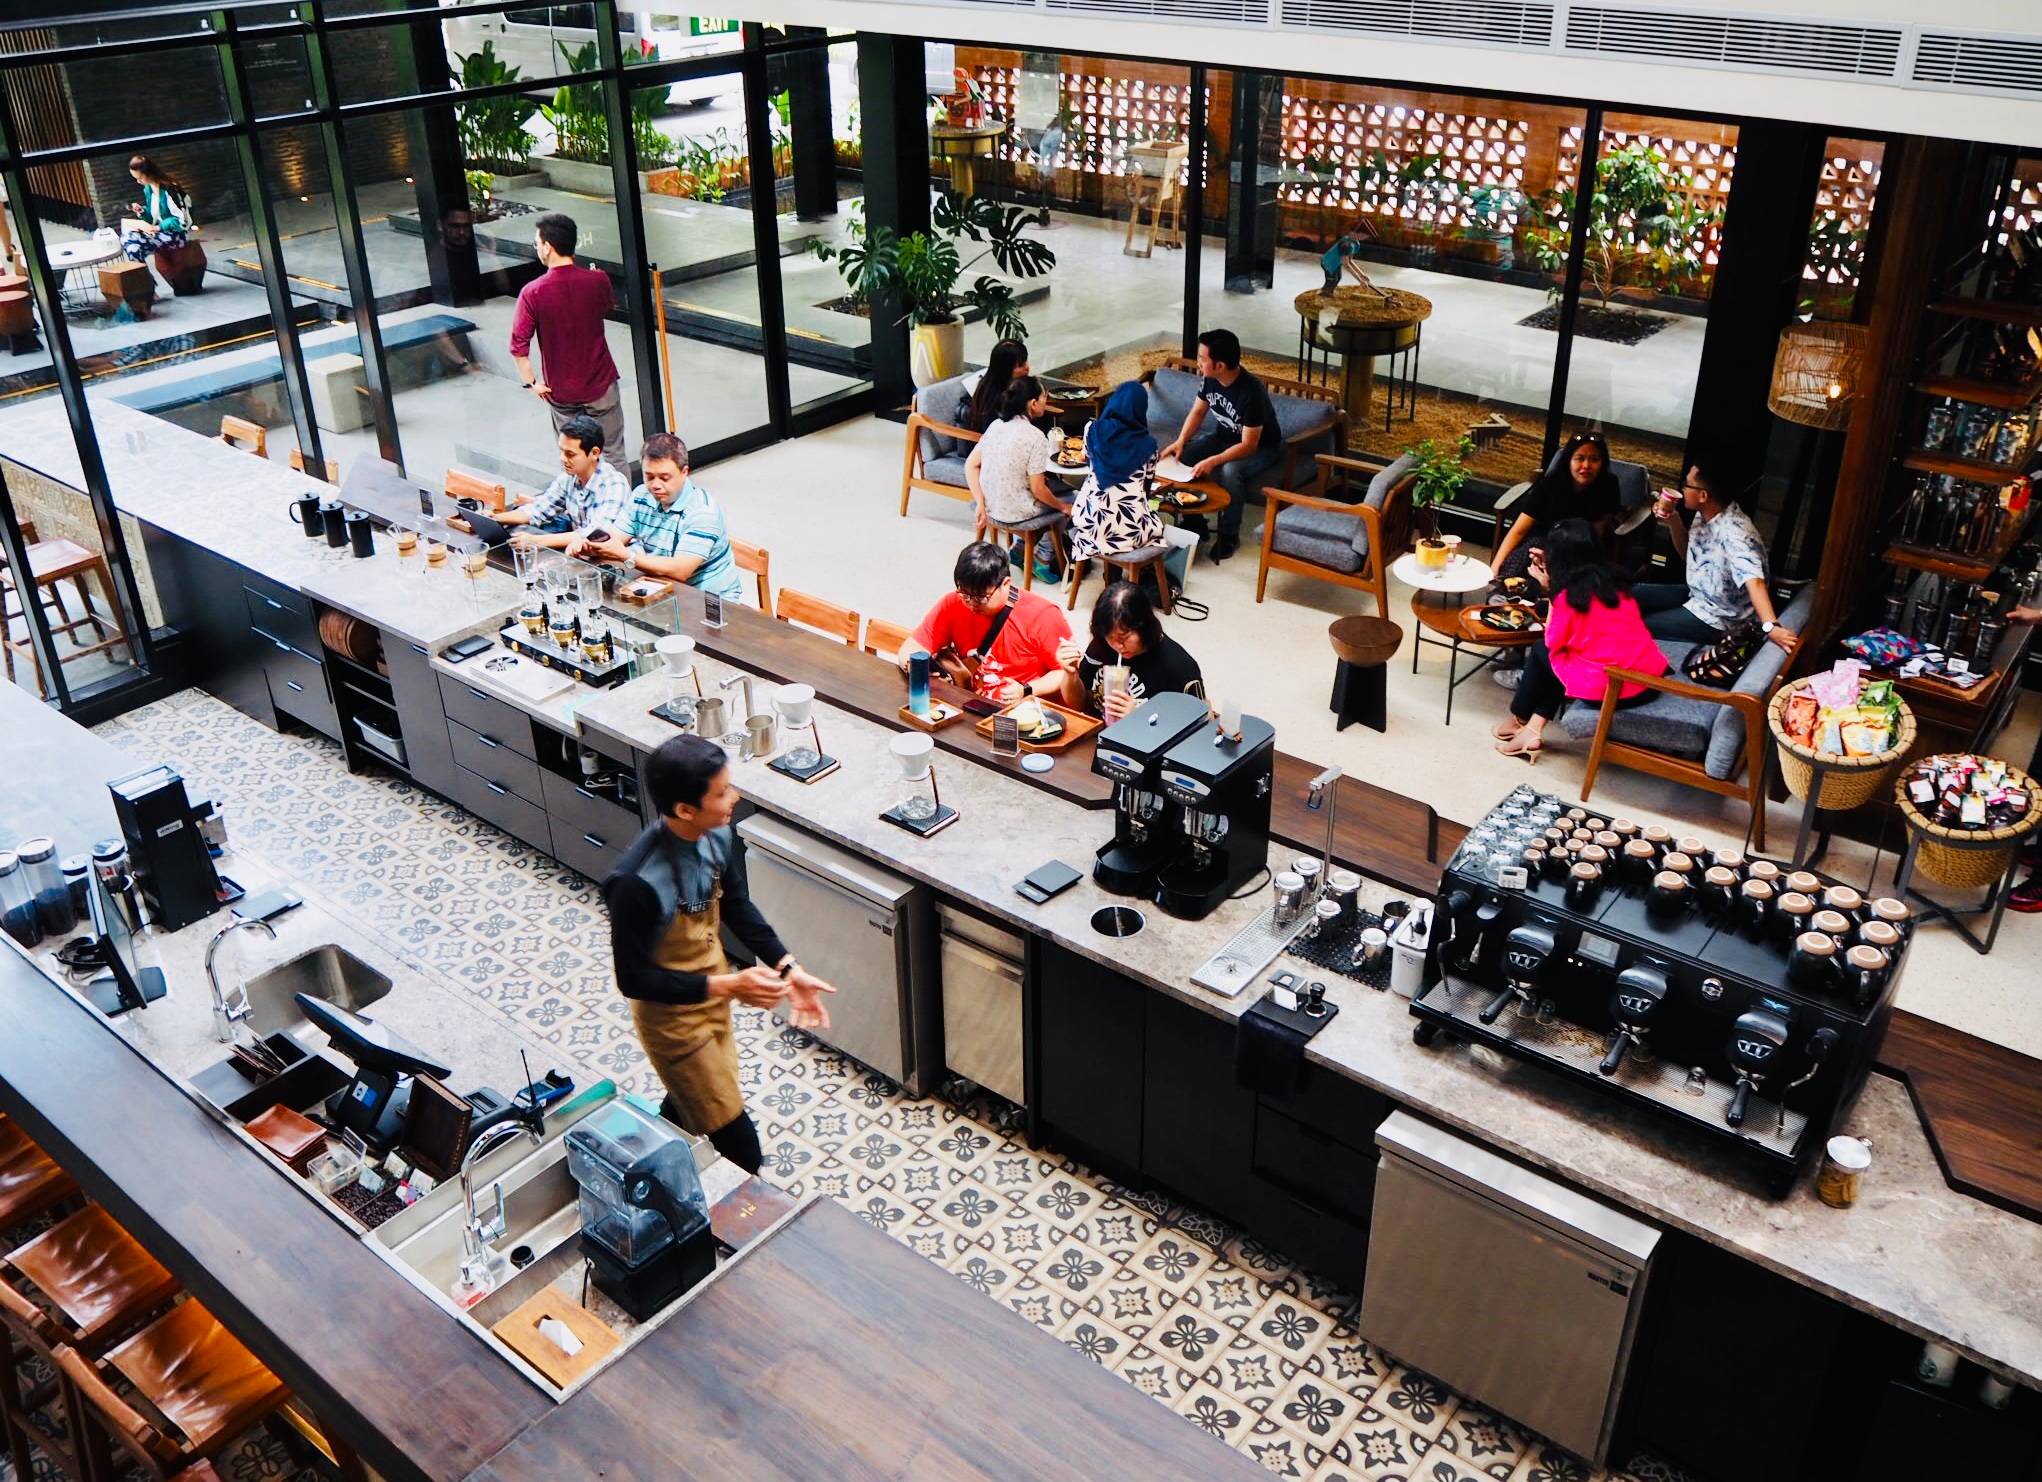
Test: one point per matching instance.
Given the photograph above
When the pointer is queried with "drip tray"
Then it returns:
(1569, 1046)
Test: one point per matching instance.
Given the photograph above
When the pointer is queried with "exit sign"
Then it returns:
(706, 25)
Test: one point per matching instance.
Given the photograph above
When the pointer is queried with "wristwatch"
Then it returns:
(1767, 628)
(530, 384)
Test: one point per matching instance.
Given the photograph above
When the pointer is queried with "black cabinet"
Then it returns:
(1198, 1126)
(203, 593)
(415, 688)
(299, 685)
(1089, 1027)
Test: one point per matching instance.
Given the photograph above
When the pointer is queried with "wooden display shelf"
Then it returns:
(1981, 393)
(1977, 470)
(1985, 308)
(1950, 564)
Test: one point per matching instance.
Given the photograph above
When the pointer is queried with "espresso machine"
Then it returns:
(166, 852)
(1148, 825)
(1733, 996)
(1222, 784)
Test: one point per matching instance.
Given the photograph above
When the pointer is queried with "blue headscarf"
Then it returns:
(1119, 445)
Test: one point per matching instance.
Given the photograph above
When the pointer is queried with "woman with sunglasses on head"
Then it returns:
(1579, 487)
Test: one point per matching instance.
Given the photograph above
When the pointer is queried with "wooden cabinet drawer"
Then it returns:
(492, 761)
(298, 686)
(285, 615)
(489, 717)
(589, 852)
(575, 810)
(494, 803)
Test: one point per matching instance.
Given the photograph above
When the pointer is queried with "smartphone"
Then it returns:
(268, 906)
(980, 705)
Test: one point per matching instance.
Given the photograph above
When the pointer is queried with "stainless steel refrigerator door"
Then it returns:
(1500, 1305)
(982, 1017)
(834, 917)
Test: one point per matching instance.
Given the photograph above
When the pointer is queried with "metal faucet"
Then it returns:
(229, 1009)
(1318, 792)
(744, 680)
(479, 1230)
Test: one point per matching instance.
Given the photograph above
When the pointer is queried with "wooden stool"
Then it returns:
(206, 1389)
(94, 1277)
(1129, 566)
(38, 1411)
(1362, 650)
(31, 1183)
(328, 468)
(127, 283)
(245, 436)
(183, 268)
(886, 639)
(1050, 522)
(51, 562)
(759, 562)
(17, 317)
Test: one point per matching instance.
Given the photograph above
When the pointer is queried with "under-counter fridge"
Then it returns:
(869, 932)
(1504, 1284)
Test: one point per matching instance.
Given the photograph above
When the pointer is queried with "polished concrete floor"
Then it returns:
(1234, 1336)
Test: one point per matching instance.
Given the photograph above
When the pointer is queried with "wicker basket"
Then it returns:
(1969, 858)
(1847, 781)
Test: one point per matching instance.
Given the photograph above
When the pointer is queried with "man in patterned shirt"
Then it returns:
(1725, 559)
(588, 495)
(671, 528)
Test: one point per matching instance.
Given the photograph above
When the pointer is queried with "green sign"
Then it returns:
(709, 25)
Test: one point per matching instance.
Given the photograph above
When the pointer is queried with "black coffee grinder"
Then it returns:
(1148, 825)
(166, 852)
(1222, 783)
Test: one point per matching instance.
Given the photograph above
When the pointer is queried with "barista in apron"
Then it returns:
(673, 888)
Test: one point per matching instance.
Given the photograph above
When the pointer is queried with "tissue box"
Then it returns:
(520, 1331)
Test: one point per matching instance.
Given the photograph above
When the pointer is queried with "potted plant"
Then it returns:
(1438, 474)
(492, 130)
(1643, 237)
(580, 119)
(1410, 188)
(923, 270)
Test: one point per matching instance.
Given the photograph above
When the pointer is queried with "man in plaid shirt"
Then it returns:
(671, 528)
(589, 494)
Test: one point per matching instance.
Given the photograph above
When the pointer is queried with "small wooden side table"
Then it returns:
(1461, 628)
(1362, 650)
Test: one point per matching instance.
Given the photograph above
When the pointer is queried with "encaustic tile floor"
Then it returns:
(1230, 1334)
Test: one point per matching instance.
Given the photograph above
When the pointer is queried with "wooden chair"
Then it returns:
(1048, 522)
(461, 485)
(249, 437)
(759, 562)
(936, 439)
(1354, 543)
(93, 1279)
(886, 639)
(31, 1183)
(819, 616)
(328, 469)
(39, 1407)
(1129, 566)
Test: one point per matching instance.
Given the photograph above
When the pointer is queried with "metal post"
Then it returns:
(39, 635)
(347, 219)
(269, 249)
(892, 101)
(766, 241)
(1577, 261)
(805, 73)
(446, 216)
(637, 287)
(1193, 206)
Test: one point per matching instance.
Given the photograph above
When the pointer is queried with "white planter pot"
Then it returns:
(582, 177)
(526, 180)
(936, 353)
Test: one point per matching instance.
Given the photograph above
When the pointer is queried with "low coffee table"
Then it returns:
(1362, 650)
(1459, 628)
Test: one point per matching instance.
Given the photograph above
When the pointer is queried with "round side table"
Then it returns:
(1362, 650)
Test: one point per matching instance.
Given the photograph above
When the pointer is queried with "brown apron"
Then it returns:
(691, 1045)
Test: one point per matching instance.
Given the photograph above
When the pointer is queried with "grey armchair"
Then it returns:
(1348, 543)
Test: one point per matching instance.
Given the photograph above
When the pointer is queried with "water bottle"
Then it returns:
(918, 683)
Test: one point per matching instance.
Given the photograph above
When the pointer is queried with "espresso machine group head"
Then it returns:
(1148, 826)
(1222, 783)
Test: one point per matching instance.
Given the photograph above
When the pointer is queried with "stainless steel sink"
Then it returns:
(329, 972)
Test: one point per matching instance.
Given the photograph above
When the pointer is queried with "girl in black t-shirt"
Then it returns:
(1126, 631)
(1580, 488)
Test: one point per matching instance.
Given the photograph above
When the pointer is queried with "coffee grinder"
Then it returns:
(1222, 782)
(166, 852)
(1147, 825)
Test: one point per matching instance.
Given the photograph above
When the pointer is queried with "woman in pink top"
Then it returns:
(1595, 626)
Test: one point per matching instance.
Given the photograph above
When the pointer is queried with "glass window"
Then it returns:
(1844, 201)
(818, 166)
(1653, 239)
(92, 101)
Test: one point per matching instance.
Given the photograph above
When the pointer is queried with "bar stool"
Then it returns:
(327, 469)
(1130, 566)
(96, 1281)
(758, 561)
(245, 436)
(205, 1388)
(39, 1407)
(1023, 533)
(818, 616)
(60, 560)
(31, 1183)
(885, 639)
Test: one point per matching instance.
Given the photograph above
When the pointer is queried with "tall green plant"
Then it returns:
(1642, 231)
(581, 118)
(923, 269)
(1438, 474)
(492, 130)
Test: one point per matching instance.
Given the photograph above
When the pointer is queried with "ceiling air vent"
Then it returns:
(1946, 59)
(1749, 43)
(1236, 12)
(1497, 22)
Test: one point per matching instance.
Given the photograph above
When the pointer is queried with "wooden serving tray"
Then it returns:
(939, 716)
(1077, 726)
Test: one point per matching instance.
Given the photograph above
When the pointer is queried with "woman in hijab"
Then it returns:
(1111, 516)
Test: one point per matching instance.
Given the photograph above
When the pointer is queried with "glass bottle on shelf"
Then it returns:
(1935, 434)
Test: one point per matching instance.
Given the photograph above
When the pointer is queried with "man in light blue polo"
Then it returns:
(671, 528)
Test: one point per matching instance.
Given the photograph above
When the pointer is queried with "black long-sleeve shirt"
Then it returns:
(662, 875)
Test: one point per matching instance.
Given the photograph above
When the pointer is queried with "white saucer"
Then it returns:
(1037, 761)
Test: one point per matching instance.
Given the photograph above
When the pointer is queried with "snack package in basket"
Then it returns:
(1885, 648)
(1798, 718)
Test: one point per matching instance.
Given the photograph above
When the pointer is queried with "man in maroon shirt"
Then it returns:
(565, 306)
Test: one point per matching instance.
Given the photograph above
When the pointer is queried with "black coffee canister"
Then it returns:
(306, 512)
(361, 533)
(334, 514)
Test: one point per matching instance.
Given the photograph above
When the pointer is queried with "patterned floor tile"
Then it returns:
(1230, 1334)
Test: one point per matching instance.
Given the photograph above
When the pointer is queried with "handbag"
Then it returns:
(962, 669)
(1718, 664)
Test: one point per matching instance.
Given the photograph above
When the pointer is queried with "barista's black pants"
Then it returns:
(737, 1141)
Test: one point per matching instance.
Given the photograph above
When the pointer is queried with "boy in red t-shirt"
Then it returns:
(1025, 647)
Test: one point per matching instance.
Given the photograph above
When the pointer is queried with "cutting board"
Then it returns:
(521, 1332)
